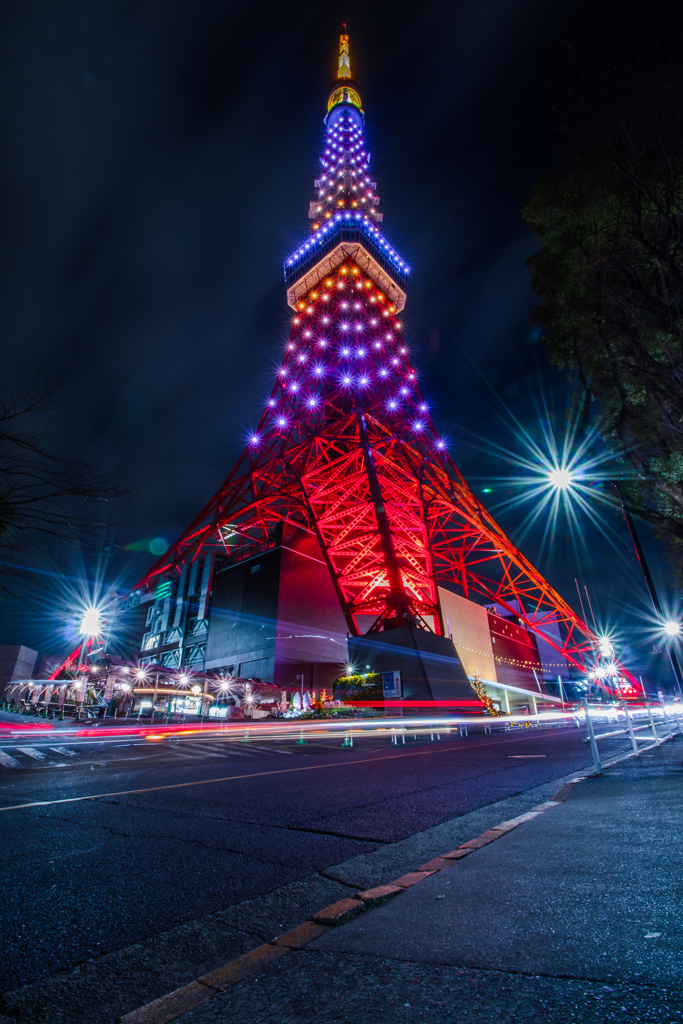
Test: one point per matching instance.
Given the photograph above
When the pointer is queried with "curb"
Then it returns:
(173, 1005)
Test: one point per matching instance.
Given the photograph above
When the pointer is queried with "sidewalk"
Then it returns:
(572, 916)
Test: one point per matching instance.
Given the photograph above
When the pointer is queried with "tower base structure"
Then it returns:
(433, 680)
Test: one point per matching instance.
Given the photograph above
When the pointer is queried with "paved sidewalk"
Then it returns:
(572, 916)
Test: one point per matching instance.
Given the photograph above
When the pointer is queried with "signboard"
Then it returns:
(134, 600)
(391, 682)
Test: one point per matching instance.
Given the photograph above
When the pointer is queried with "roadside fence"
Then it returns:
(646, 719)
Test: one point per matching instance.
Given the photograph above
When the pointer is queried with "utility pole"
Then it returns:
(654, 597)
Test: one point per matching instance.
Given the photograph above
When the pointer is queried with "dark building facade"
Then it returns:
(274, 617)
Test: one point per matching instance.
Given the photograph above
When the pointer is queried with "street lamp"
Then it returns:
(91, 623)
(560, 478)
(90, 627)
(606, 647)
(672, 628)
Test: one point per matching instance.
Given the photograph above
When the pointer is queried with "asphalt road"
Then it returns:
(83, 877)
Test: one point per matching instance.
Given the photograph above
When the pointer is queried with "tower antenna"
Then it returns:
(344, 68)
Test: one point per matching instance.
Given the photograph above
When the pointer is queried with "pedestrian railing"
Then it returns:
(653, 716)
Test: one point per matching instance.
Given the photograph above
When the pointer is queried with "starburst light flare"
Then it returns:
(91, 622)
(558, 477)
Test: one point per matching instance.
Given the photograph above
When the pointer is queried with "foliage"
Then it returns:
(43, 495)
(483, 696)
(338, 712)
(610, 276)
(358, 687)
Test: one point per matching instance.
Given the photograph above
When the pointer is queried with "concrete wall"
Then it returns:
(243, 617)
(277, 617)
(311, 625)
(515, 653)
(469, 627)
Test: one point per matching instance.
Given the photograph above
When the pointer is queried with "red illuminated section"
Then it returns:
(346, 447)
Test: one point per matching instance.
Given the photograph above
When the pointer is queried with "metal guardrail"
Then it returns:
(631, 718)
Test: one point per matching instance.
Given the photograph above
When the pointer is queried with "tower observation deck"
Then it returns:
(347, 454)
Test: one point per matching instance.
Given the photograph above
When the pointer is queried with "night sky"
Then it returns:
(158, 161)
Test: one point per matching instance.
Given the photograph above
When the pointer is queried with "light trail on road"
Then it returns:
(232, 778)
(285, 729)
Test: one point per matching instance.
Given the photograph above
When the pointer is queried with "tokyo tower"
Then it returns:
(346, 449)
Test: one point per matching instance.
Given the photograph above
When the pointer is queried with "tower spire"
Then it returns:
(344, 69)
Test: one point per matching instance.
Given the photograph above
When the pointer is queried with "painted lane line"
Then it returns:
(8, 760)
(64, 750)
(266, 750)
(32, 752)
(233, 778)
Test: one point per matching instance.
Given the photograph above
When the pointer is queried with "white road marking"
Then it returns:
(228, 748)
(64, 750)
(268, 751)
(32, 752)
(9, 762)
(198, 745)
(206, 753)
(200, 750)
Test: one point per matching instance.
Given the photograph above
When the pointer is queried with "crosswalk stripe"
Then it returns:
(228, 748)
(206, 746)
(201, 750)
(275, 750)
(32, 752)
(63, 750)
(9, 762)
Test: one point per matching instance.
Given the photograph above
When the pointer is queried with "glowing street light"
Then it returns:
(606, 647)
(672, 628)
(91, 623)
(560, 478)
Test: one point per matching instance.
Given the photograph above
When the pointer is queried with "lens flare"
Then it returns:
(560, 478)
(91, 622)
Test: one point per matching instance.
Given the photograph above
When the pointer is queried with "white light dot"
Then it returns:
(560, 478)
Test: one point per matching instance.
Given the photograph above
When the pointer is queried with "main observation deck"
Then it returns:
(348, 235)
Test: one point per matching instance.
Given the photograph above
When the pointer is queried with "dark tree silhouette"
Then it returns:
(45, 497)
(610, 268)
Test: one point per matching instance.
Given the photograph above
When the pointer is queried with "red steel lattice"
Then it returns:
(341, 412)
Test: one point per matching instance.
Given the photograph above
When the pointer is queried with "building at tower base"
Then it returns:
(276, 616)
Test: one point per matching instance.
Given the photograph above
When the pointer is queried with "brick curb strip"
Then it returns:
(173, 1005)
(338, 913)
